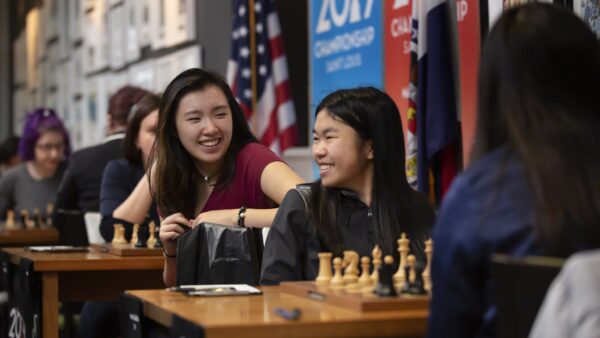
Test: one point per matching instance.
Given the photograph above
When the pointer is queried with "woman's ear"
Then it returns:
(369, 149)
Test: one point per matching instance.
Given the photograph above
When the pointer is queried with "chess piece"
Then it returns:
(385, 284)
(411, 262)
(377, 254)
(350, 262)
(324, 276)
(37, 218)
(10, 220)
(115, 233)
(25, 219)
(426, 276)
(158, 243)
(134, 233)
(152, 234)
(417, 288)
(49, 212)
(119, 237)
(365, 279)
(338, 280)
(406, 287)
(403, 248)
(142, 236)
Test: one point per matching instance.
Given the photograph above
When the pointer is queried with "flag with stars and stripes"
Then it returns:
(273, 120)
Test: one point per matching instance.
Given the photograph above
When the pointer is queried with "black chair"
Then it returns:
(520, 285)
(217, 254)
(71, 227)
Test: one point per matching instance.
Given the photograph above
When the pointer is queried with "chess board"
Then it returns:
(126, 250)
(355, 301)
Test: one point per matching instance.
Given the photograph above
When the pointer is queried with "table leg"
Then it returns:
(50, 304)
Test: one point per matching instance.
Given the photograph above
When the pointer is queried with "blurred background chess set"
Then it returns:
(144, 241)
(27, 220)
(384, 289)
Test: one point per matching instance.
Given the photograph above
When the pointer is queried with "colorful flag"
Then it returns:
(273, 120)
(434, 130)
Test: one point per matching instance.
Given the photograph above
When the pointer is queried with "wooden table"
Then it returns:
(82, 276)
(253, 316)
(21, 237)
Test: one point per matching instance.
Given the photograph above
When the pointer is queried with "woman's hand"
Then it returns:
(225, 217)
(171, 228)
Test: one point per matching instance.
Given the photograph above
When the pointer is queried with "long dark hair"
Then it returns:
(176, 177)
(539, 84)
(138, 113)
(396, 207)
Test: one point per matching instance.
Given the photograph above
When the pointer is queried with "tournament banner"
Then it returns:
(397, 28)
(345, 45)
(469, 46)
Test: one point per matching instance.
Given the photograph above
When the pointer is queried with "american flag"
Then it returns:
(274, 115)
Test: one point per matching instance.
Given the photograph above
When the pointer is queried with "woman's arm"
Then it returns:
(276, 180)
(135, 208)
(171, 228)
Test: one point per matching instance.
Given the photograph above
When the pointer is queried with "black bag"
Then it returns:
(218, 254)
(25, 299)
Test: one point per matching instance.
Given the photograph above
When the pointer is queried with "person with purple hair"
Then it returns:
(44, 148)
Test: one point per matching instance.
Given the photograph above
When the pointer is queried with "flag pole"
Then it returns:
(252, 30)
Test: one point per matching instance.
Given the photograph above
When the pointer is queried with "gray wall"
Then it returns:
(5, 71)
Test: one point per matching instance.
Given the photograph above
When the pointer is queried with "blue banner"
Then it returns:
(346, 45)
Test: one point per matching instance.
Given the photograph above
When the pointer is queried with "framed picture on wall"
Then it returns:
(115, 82)
(20, 59)
(145, 18)
(179, 22)
(117, 26)
(75, 12)
(96, 50)
(142, 75)
(32, 45)
(133, 16)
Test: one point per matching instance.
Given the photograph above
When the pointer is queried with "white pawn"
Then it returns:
(412, 273)
(152, 237)
(10, 220)
(377, 254)
(134, 234)
(365, 279)
(338, 280)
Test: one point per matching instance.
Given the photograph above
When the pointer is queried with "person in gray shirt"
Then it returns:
(44, 148)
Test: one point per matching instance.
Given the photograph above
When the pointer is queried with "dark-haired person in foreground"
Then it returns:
(363, 198)
(533, 186)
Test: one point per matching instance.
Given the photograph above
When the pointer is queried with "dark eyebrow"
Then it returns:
(191, 112)
(223, 106)
(326, 130)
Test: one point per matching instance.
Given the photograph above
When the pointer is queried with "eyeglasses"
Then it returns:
(47, 147)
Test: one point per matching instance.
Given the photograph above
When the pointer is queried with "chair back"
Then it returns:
(71, 227)
(520, 285)
(217, 254)
(92, 227)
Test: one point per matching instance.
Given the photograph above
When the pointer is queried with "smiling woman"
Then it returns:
(363, 198)
(44, 147)
(207, 166)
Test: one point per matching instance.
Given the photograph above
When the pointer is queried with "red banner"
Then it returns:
(469, 46)
(397, 52)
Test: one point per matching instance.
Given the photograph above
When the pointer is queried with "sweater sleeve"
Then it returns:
(283, 256)
(114, 189)
(457, 307)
